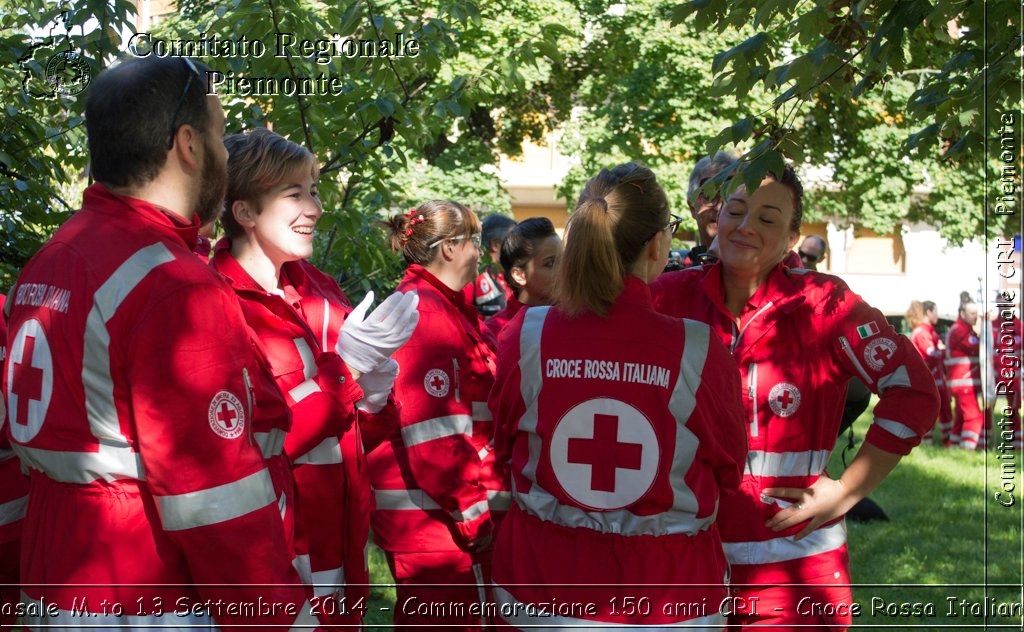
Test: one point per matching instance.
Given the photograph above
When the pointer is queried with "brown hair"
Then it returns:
(259, 160)
(792, 181)
(915, 315)
(416, 233)
(618, 213)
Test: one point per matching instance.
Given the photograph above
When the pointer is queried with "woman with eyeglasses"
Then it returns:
(437, 490)
(798, 336)
(623, 428)
(529, 254)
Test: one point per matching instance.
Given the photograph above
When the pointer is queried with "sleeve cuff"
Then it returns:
(894, 439)
(474, 527)
(375, 428)
(334, 378)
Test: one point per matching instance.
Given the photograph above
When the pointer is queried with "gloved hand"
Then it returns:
(367, 344)
(376, 385)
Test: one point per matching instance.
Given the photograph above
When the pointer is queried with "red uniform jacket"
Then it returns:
(299, 331)
(138, 402)
(803, 335)
(926, 341)
(963, 366)
(496, 323)
(13, 483)
(623, 433)
(435, 480)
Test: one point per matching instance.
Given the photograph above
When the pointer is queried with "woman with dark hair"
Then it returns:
(437, 489)
(798, 336)
(528, 255)
(623, 427)
(921, 318)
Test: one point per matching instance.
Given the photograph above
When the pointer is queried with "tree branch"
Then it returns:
(291, 71)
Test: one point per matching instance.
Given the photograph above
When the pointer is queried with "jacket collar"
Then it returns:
(456, 298)
(98, 197)
(635, 292)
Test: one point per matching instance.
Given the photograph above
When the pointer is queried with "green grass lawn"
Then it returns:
(947, 538)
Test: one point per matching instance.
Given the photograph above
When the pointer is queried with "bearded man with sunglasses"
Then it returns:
(151, 428)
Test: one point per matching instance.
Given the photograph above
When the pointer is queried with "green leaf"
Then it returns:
(748, 48)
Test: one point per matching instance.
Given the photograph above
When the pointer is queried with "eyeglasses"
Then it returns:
(192, 72)
(671, 226)
(475, 238)
(808, 257)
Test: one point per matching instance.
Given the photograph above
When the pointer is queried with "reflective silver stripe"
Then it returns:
(301, 564)
(965, 382)
(899, 377)
(97, 620)
(403, 499)
(328, 582)
(499, 501)
(5, 453)
(96, 378)
(969, 437)
(306, 619)
(13, 510)
(437, 428)
(484, 451)
(621, 522)
(328, 452)
(809, 463)
(481, 412)
(472, 512)
(108, 463)
(900, 430)
(216, 504)
(681, 405)
(308, 357)
(530, 383)
(304, 390)
(783, 549)
(271, 443)
(325, 329)
(961, 360)
(517, 616)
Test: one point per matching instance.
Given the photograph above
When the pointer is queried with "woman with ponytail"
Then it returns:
(623, 428)
(437, 490)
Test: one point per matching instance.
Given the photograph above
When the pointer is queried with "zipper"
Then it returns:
(455, 363)
(736, 339)
(248, 401)
(752, 392)
(845, 344)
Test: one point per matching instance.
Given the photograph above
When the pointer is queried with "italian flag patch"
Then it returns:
(867, 330)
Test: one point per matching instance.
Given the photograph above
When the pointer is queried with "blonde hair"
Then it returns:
(258, 161)
(618, 213)
(415, 233)
(915, 314)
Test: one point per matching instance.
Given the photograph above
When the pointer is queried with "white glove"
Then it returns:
(376, 385)
(367, 344)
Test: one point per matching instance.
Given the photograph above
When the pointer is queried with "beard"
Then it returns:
(212, 186)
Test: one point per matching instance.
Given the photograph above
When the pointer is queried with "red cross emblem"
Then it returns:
(784, 399)
(227, 418)
(30, 380)
(436, 383)
(878, 352)
(604, 454)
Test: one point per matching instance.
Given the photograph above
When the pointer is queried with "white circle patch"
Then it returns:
(226, 415)
(604, 454)
(436, 382)
(784, 399)
(878, 352)
(29, 380)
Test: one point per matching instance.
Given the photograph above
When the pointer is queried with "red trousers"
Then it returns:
(969, 429)
(824, 601)
(945, 416)
(438, 589)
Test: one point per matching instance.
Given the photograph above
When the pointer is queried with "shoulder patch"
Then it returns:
(226, 415)
(878, 352)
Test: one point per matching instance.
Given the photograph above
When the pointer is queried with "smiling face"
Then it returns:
(287, 216)
(755, 232)
(705, 211)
